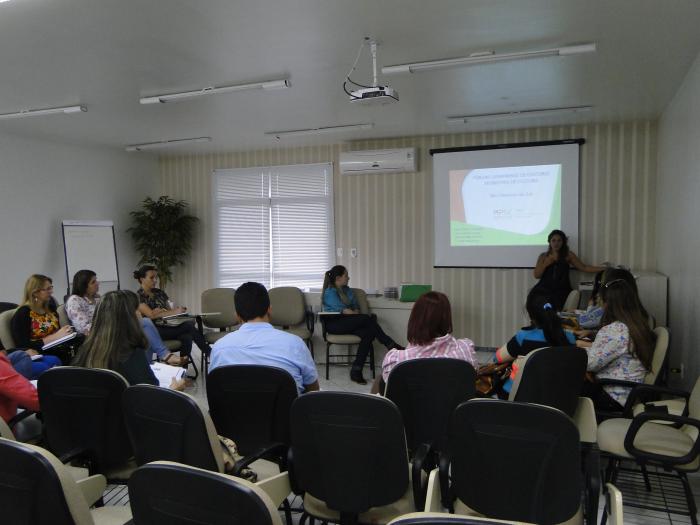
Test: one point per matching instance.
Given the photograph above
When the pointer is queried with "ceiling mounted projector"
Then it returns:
(374, 95)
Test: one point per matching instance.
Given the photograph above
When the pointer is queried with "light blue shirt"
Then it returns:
(261, 344)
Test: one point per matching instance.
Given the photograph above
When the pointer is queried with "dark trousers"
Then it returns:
(185, 333)
(602, 401)
(363, 326)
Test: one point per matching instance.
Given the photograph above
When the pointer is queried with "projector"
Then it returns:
(374, 96)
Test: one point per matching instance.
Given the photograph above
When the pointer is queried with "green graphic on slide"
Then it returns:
(462, 234)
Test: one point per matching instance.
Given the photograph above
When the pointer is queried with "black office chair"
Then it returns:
(211, 497)
(512, 461)
(82, 415)
(166, 425)
(250, 404)
(348, 457)
(427, 391)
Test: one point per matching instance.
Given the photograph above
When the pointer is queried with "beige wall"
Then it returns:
(678, 217)
(388, 217)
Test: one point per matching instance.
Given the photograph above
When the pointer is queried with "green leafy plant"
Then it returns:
(162, 233)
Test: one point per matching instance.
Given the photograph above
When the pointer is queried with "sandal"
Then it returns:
(169, 361)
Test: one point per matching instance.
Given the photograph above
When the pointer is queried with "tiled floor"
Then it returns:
(339, 379)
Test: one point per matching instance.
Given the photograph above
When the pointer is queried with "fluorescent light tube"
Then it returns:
(487, 57)
(41, 112)
(166, 144)
(174, 97)
(317, 131)
(468, 119)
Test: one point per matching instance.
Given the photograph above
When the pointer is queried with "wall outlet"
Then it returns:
(353, 252)
(339, 252)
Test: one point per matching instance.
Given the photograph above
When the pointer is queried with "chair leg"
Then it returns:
(692, 508)
(328, 358)
(647, 484)
(196, 370)
(287, 511)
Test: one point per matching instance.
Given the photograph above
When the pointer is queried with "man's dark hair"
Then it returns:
(251, 300)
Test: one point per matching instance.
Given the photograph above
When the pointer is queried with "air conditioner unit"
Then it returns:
(378, 161)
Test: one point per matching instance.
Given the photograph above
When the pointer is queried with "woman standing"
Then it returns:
(552, 269)
(155, 304)
(36, 324)
(338, 297)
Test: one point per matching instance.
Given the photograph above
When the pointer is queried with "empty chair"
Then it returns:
(211, 497)
(572, 301)
(38, 490)
(82, 415)
(289, 313)
(250, 404)
(218, 300)
(348, 456)
(647, 442)
(426, 392)
(166, 425)
(512, 461)
(6, 338)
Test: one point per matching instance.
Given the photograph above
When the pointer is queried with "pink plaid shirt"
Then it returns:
(445, 346)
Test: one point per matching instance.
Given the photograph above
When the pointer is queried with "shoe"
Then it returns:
(356, 376)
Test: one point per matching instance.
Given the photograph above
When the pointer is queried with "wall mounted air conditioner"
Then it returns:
(378, 161)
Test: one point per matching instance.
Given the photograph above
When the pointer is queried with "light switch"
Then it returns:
(353, 252)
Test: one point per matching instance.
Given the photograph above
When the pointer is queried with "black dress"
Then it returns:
(554, 284)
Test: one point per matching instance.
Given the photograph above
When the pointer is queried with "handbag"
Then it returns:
(229, 452)
(490, 378)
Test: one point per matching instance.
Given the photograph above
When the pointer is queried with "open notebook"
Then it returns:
(166, 373)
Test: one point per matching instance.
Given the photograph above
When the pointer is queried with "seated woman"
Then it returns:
(338, 297)
(624, 347)
(15, 390)
(155, 304)
(591, 318)
(429, 335)
(117, 342)
(545, 330)
(80, 308)
(36, 324)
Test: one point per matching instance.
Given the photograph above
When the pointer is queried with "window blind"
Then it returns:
(274, 225)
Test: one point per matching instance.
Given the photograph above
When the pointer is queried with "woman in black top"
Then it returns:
(117, 342)
(552, 270)
(155, 304)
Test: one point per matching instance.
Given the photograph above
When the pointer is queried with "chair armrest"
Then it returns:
(446, 497)
(92, 488)
(276, 487)
(309, 318)
(591, 468)
(637, 394)
(19, 417)
(419, 460)
(277, 450)
(641, 419)
(585, 420)
(433, 501)
(74, 454)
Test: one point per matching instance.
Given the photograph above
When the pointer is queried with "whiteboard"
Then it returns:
(89, 245)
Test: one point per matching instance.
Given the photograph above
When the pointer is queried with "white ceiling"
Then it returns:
(106, 54)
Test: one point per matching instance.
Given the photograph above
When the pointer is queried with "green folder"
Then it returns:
(411, 292)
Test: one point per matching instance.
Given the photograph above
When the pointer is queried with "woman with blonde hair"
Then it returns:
(35, 323)
(117, 342)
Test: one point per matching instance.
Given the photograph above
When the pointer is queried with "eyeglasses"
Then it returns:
(47, 289)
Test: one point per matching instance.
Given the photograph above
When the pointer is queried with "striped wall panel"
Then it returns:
(388, 218)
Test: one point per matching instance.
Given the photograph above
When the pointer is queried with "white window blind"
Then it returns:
(274, 225)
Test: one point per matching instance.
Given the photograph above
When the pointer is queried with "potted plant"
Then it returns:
(162, 234)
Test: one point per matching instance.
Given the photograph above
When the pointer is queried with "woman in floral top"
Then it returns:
(155, 304)
(624, 346)
(36, 324)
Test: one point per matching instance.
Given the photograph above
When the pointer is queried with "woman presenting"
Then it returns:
(552, 269)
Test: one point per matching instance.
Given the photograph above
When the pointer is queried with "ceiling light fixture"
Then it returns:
(487, 57)
(166, 144)
(468, 119)
(174, 97)
(41, 112)
(317, 131)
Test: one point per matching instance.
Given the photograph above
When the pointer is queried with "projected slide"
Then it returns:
(504, 206)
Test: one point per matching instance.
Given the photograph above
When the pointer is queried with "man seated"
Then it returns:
(256, 342)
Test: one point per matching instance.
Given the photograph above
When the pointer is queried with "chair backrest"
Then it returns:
(361, 298)
(63, 315)
(6, 431)
(6, 338)
(572, 301)
(693, 410)
(219, 300)
(551, 376)
(81, 408)
(36, 489)
(427, 391)
(166, 425)
(250, 404)
(288, 306)
(348, 450)
(529, 452)
(440, 518)
(211, 497)
(658, 360)
(7, 306)
(613, 505)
